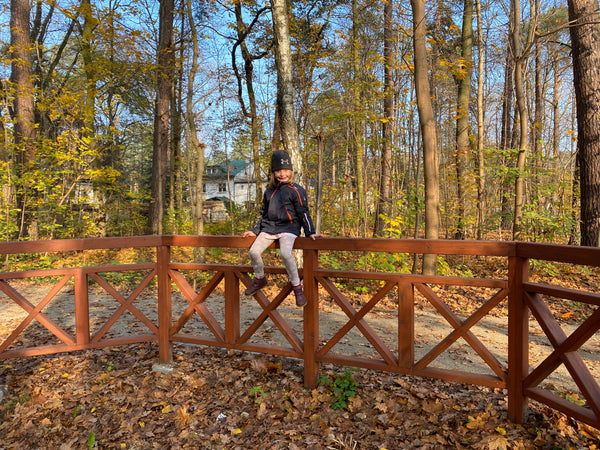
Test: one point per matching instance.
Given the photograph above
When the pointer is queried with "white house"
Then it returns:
(220, 187)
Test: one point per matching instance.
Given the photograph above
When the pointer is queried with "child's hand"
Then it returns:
(249, 234)
(316, 236)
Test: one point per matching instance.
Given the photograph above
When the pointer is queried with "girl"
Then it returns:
(284, 211)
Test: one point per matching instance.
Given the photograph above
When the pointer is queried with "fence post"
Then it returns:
(518, 338)
(163, 257)
(82, 308)
(232, 307)
(311, 318)
(406, 325)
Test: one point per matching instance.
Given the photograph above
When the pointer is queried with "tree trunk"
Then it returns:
(585, 35)
(357, 122)
(285, 87)
(252, 114)
(384, 200)
(160, 155)
(481, 188)
(523, 119)
(506, 131)
(462, 119)
(428, 132)
(23, 104)
(319, 197)
(198, 148)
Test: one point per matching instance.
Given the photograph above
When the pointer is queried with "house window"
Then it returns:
(222, 187)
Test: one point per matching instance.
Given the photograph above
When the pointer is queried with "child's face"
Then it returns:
(282, 175)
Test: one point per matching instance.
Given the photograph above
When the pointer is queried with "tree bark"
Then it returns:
(523, 119)
(160, 156)
(248, 77)
(285, 87)
(23, 104)
(428, 132)
(481, 187)
(384, 200)
(357, 123)
(198, 148)
(585, 35)
(462, 120)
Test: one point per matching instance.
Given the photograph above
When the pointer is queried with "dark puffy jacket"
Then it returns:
(284, 210)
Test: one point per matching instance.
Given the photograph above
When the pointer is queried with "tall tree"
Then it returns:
(463, 78)
(481, 187)
(428, 128)
(197, 146)
(585, 35)
(357, 123)
(285, 85)
(520, 57)
(164, 78)
(384, 200)
(23, 104)
(250, 111)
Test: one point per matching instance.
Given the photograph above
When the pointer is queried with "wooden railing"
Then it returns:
(167, 322)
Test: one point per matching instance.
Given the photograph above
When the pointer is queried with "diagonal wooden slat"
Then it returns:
(462, 329)
(126, 304)
(270, 311)
(197, 303)
(565, 350)
(35, 313)
(358, 321)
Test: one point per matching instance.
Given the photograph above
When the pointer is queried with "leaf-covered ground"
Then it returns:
(112, 398)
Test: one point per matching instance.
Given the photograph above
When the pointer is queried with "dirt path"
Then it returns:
(430, 329)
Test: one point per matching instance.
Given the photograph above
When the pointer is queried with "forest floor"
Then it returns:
(212, 398)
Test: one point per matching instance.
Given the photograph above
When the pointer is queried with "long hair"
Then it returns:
(273, 181)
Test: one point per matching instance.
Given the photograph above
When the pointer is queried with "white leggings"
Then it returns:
(286, 243)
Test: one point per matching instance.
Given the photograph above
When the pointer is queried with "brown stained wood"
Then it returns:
(462, 329)
(565, 406)
(82, 308)
(356, 320)
(415, 279)
(406, 324)
(197, 303)
(588, 256)
(69, 245)
(269, 310)
(521, 293)
(518, 338)
(34, 312)
(565, 351)
(311, 318)
(126, 304)
(165, 307)
(250, 347)
(232, 307)
(563, 293)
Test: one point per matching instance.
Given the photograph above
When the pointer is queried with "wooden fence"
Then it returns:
(508, 367)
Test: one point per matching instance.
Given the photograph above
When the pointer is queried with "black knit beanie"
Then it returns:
(281, 160)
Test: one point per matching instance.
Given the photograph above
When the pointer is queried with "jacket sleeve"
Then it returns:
(303, 212)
